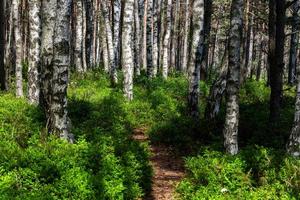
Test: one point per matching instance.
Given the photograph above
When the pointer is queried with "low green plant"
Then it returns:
(256, 173)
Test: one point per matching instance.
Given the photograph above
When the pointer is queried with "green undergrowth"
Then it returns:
(261, 170)
(105, 163)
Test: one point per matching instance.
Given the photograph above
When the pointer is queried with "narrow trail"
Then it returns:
(168, 169)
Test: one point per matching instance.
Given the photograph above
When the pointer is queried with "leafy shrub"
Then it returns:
(104, 163)
(255, 91)
(253, 174)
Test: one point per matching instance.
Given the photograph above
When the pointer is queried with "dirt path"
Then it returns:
(167, 168)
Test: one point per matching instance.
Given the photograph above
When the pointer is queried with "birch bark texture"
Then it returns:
(18, 43)
(116, 29)
(127, 50)
(78, 52)
(137, 39)
(55, 45)
(293, 145)
(35, 25)
(59, 118)
(166, 41)
(2, 45)
(196, 51)
(149, 36)
(155, 37)
(186, 33)
(230, 130)
(110, 44)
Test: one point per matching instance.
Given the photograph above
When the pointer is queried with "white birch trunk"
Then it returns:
(149, 37)
(137, 39)
(78, 53)
(84, 36)
(155, 37)
(127, 51)
(34, 51)
(110, 44)
(116, 29)
(144, 43)
(230, 130)
(166, 42)
(18, 39)
(195, 57)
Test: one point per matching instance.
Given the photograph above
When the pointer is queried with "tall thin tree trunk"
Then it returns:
(34, 51)
(250, 49)
(59, 120)
(276, 54)
(105, 53)
(294, 43)
(78, 52)
(166, 42)
(90, 33)
(155, 36)
(137, 39)
(144, 45)
(127, 51)
(260, 57)
(207, 28)
(18, 39)
(2, 45)
(55, 57)
(116, 29)
(149, 38)
(8, 57)
(196, 54)
(84, 36)
(230, 131)
(110, 44)
(293, 144)
(186, 35)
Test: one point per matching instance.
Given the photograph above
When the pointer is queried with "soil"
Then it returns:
(168, 168)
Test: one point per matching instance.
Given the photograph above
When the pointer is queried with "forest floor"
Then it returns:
(168, 168)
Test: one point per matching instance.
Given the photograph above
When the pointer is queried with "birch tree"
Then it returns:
(186, 33)
(149, 38)
(144, 43)
(55, 43)
(155, 37)
(78, 52)
(110, 44)
(128, 61)
(18, 43)
(34, 51)
(166, 41)
(116, 29)
(293, 145)
(2, 45)
(196, 52)
(137, 39)
(230, 130)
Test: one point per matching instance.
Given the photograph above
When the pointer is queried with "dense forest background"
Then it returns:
(149, 99)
